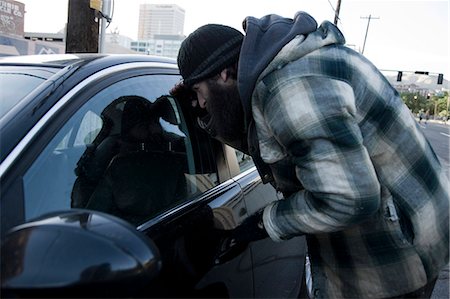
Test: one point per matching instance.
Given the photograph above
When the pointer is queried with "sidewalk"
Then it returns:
(437, 121)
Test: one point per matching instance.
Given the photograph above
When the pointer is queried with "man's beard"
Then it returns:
(225, 117)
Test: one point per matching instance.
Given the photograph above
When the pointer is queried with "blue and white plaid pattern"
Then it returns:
(375, 207)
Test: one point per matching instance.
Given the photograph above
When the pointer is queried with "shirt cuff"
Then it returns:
(269, 225)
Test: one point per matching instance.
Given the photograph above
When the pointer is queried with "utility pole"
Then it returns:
(82, 28)
(367, 30)
(336, 14)
(106, 16)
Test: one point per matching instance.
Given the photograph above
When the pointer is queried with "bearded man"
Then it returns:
(326, 128)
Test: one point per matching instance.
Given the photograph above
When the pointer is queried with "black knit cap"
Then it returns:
(207, 51)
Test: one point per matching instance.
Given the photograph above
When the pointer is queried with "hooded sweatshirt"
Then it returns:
(359, 178)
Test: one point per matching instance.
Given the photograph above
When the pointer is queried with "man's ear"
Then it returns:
(226, 76)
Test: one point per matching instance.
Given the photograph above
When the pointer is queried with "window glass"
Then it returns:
(126, 152)
(18, 81)
(89, 129)
(245, 161)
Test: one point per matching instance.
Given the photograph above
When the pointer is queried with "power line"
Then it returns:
(336, 15)
(336, 11)
(332, 7)
(367, 29)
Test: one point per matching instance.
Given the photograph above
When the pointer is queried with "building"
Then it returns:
(160, 19)
(160, 30)
(55, 43)
(118, 44)
(12, 18)
(160, 45)
(114, 37)
(13, 39)
(161, 25)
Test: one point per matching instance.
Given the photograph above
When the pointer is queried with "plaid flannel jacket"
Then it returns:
(375, 203)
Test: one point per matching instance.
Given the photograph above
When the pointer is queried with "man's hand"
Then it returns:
(252, 229)
(235, 241)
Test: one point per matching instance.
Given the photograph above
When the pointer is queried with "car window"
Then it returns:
(126, 152)
(16, 82)
(89, 128)
(245, 161)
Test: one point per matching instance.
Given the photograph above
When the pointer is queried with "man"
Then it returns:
(325, 128)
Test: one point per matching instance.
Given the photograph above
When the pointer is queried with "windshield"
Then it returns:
(18, 81)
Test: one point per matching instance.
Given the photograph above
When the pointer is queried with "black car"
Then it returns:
(109, 188)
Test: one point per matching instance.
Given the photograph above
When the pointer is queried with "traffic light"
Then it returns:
(440, 78)
(399, 76)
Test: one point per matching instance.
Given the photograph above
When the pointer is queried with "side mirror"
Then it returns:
(77, 253)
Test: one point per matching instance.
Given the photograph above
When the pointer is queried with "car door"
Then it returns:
(286, 259)
(68, 164)
(192, 235)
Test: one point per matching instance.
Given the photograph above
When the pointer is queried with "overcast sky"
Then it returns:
(403, 35)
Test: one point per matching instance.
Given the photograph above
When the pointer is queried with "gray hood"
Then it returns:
(264, 38)
(272, 41)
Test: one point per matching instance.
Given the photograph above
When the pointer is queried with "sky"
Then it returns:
(402, 35)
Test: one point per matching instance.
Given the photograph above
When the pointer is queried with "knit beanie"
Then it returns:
(207, 51)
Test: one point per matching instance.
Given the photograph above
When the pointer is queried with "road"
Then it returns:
(438, 134)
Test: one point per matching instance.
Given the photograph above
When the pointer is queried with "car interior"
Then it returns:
(146, 175)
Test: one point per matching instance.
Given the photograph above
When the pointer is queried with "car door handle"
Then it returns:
(229, 250)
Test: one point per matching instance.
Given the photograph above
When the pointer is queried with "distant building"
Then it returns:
(115, 38)
(160, 19)
(412, 88)
(160, 30)
(12, 46)
(118, 44)
(48, 37)
(12, 18)
(160, 45)
(114, 43)
(13, 39)
(160, 33)
(54, 43)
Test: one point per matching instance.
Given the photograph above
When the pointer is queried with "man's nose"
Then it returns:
(201, 102)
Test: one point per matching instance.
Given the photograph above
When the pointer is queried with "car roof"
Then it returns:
(63, 60)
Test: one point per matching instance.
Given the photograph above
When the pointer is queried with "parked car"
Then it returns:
(109, 188)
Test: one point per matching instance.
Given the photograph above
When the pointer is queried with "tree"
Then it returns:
(414, 101)
(82, 28)
(443, 105)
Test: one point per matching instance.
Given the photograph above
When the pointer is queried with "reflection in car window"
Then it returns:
(245, 161)
(17, 82)
(126, 152)
(89, 129)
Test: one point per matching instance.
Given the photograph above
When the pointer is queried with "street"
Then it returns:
(438, 134)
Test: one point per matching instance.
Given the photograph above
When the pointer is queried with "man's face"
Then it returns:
(225, 116)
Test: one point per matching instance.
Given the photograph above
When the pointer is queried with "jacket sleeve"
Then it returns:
(312, 122)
